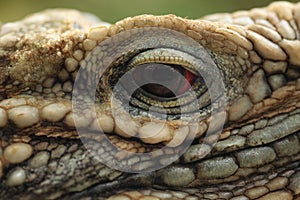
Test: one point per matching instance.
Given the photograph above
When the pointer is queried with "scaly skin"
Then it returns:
(256, 156)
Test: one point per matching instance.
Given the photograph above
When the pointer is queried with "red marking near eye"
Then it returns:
(189, 77)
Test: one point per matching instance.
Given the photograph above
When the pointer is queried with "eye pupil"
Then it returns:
(158, 90)
(163, 80)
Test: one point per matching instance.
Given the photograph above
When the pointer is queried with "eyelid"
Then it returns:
(165, 56)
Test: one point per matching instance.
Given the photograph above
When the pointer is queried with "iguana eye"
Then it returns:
(165, 81)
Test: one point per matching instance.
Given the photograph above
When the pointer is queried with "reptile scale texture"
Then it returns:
(240, 143)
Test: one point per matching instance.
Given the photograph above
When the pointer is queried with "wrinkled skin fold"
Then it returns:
(249, 149)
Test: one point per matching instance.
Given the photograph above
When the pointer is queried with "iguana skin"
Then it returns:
(256, 155)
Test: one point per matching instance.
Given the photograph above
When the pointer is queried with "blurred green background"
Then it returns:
(113, 10)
